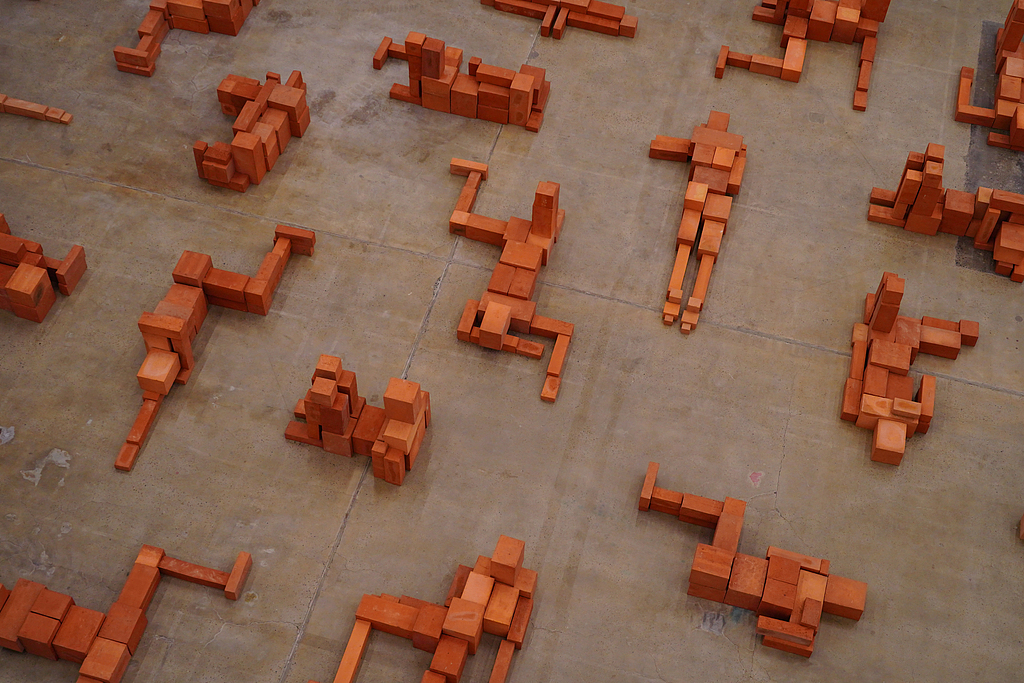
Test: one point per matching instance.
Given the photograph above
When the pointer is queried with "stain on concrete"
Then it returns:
(6, 435)
(56, 456)
(321, 101)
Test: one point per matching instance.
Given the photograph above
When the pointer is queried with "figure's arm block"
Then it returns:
(464, 168)
(301, 241)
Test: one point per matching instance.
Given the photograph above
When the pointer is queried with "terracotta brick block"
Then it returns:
(711, 567)
(746, 581)
(478, 588)
(520, 621)
(426, 632)
(36, 635)
(465, 620)
(500, 609)
(647, 490)
(192, 268)
(450, 657)
(939, 342)
(664, 500)
(76, 633)
(158, 371)
(507, 560)
(106, 661)
(700, 511)
(502, 662)
(27, 285)
(784, 569)
(705, 593)
(458, 583)
(890, 442)
(385, 615)
(845, 597)
(778, 599)
(354, 651)
(124, 624)
(784, 630)
(140, 586)
(526, 582)
(52, 604)
(851, 400)
(810, 586)
(969, 332)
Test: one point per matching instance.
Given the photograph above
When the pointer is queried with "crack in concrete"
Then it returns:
(290, 659)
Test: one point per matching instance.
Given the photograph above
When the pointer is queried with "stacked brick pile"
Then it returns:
(508, 306)
(879, 393)
(718, 160)
(1006, 114)
(494, 597)
(200, 16)
(994, 219)
(27, 277)
(169, 330)
(336, 418)
(487, 92)
(789, 591)
(845, 21)
(555, 15)
(10, 105)
(40, 621)
(266, 115)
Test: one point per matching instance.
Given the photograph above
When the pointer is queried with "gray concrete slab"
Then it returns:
(747, 406)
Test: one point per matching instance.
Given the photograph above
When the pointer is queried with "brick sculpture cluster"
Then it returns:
(1006, 114)
(555, 15)
(27, 277)
(10, 105)
(49, 624)
(337, 419)
(266, 115)
(718, 159)
(507, 306)
(487, 92)
(994, 219)
(845, 21)
(200, 16)
(494, 597)
(879, 392)
(789, 591)
(169, 330)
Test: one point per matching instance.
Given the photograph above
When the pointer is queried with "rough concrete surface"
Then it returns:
(747, 406)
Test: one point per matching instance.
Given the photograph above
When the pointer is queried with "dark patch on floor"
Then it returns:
(987, 166)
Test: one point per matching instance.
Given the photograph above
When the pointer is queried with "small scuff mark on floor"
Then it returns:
(713, 622)
(57, 457)
(6, 435)
(755, 479)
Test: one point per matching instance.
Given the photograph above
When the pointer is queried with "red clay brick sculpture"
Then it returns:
(788, 590)
(493, 597)
(507, 306)
(718, 160)
(486, 92)
(993, 218)
(169, 330)
(200, 16)
(42, 622)
(337, 419)
(845, 21)
(10, 105)
(879, 393)
(555, 15)
(27, 278)
(1005, 115)
(266, 118)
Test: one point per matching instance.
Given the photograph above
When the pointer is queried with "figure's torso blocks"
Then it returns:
(337, 419)
(787, 590)
(266, 115)
(487, 92)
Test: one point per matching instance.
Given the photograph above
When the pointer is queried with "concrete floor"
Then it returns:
(747, 406)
